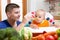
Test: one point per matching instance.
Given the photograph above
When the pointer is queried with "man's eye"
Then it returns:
(16, 12)
(39, 16)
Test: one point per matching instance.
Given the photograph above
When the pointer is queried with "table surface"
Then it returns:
(41, 29)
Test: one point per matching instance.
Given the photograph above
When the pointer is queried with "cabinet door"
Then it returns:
(24, 7)
(57, 17)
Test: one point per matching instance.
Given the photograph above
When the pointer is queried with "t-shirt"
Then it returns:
(44, 23)
(4, 24)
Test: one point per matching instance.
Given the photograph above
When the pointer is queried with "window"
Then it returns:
(0, 10)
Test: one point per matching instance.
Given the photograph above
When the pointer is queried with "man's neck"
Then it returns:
(12, 23)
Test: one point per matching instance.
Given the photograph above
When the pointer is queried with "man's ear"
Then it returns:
(8, 14)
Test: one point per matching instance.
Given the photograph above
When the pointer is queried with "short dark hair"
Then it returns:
(10, 6)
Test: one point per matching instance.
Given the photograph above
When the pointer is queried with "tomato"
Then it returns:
(49, 37)
(46, 34)
(40, 37)
(34, 38)
(56, 36)
(49, 33)
(52, 33)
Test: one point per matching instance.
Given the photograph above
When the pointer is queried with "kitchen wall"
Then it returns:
(33, 5)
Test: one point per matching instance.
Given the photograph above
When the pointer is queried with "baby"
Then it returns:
(39, 19)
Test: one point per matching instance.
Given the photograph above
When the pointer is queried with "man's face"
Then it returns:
(14, 14)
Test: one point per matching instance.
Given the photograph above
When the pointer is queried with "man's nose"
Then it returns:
(19, 15)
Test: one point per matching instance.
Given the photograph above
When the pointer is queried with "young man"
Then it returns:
(13, 13)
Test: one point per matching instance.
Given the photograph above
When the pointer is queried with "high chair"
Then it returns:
(48, 17)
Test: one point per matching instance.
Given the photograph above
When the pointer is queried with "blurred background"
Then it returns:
(26, 6)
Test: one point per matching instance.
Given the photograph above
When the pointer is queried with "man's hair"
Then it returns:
(10, 6)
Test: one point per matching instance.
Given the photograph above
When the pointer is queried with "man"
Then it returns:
(13, 14)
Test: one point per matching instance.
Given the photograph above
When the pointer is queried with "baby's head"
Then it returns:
(40, 15)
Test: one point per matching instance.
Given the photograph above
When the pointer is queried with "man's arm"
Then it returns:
(24, 21)
(20, 26)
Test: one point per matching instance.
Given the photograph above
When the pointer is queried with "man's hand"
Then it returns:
(24, 21)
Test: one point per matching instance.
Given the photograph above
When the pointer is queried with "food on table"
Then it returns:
(46, 36)
(9, 34)
(25, 34)
(58, 38)
(58, 32)
(49, 37)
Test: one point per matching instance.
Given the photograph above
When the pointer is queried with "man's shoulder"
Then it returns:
(2, 24)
